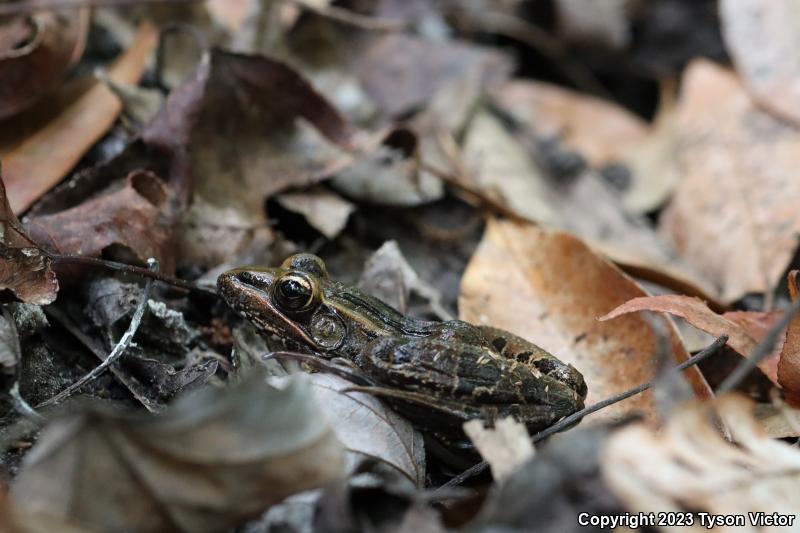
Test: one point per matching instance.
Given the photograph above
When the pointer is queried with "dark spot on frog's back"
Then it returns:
(499, 343)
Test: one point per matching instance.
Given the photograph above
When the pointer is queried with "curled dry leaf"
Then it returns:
(80, 118)
(325, 211)
(35, 52)
(549, 287)
(368, 428)
(761, 37)
(24, 269)
(743, 328)
(138, 216)
(789, 363)
(690, 465)
(213, 460)
(733, 216)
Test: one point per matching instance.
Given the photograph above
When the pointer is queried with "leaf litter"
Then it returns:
(551, 173)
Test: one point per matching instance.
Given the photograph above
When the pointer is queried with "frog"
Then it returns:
(439, 374)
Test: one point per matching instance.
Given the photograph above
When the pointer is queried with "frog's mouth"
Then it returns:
(252, 301)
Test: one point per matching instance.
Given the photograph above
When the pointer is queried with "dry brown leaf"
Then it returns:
(761, 37)
(75, 127)
(743, 328)
(595, 23)
(789, 363)
(599, 130)
(139, 216)
(24, 268)
(35, 52)
(733, 216)
(213, 460)
(325, 211)
(690, 465)
(501, 168)
(549, 288)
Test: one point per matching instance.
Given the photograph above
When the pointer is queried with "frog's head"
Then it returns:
(286, 300)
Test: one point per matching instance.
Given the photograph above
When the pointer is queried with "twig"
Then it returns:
(130, 269)
(118, 350)
(575, 417)
(25, 6)
(22, 406)
(760, 352)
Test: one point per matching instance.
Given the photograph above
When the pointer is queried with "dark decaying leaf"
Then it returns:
(24, 269)
(139, 216)
(35, 51)
(261, 129)
(212, 461)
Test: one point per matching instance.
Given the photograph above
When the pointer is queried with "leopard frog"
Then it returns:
(438, 374)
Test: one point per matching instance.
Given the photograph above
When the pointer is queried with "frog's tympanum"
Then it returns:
(439, 374)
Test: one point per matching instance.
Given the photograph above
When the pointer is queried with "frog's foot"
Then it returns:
(337, 366)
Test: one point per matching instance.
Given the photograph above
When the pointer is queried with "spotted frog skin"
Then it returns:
(438, 374)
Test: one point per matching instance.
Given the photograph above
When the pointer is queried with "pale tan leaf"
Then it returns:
(690, 465)
(549, 287)
(761, 37)
(734, 214)
(505, 447)
(325, 211)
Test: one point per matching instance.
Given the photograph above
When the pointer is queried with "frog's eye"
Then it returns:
(294, 293)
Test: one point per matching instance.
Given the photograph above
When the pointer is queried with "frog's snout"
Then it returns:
(565, 373)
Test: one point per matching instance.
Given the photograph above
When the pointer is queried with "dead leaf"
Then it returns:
(690, 465)
(213, 460)
(402, 73)
(505, 447)
(733, 213)
(388, 276)
(325, 211)
(789, 362)
(743, 328)
(35, 52)
(498, 164)
(368, 428)
(761, 39)
(261, 128)
(599, 130)
(139, 216)
(779, 420)
(602, 24)
(66, 136)
(24, 268)
(549, 288)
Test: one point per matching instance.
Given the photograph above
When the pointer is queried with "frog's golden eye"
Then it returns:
(293, 292)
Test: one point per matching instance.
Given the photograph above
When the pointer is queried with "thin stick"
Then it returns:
(122, 267)
(575, 417)
(25, 6)
(118, 350)
(760, 352)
